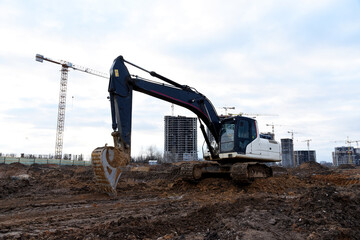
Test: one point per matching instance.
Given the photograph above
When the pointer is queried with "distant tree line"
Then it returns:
(66, 156)
(151, 153)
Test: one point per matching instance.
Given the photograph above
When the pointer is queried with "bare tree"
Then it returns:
(151, 153)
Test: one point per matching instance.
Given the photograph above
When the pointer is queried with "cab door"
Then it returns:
(246, 134)
(243, 135)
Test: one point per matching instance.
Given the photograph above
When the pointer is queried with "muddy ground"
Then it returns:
(63, 202)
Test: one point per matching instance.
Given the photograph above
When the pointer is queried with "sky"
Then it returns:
(296, 64)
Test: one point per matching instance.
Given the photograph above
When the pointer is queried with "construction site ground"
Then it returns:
(152, 202)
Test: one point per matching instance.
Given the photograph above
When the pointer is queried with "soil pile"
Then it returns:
(309, 168)
(62, 202)
(346, 166)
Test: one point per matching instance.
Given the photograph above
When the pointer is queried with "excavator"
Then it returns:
(234, 145)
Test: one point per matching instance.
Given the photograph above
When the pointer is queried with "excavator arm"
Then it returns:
(122, 84)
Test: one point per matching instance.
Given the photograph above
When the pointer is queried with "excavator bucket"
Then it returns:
(107, 163)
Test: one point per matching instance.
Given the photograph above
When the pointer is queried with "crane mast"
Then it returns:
(65, 65)
(61, 113)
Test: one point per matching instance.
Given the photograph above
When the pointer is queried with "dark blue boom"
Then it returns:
(122, 85)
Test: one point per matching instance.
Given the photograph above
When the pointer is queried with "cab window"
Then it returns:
(227, 137)
(247, 129)
(244, 129)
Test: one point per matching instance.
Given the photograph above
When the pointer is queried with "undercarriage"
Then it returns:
(243, 173)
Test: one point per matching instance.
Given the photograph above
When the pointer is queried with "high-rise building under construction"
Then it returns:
(302, 156)
(180, 138)
(287, 151)
(346, 155)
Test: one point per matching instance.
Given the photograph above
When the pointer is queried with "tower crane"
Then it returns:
(254, 115)
(226, 108)
(273, 127)
(65, 66)
(293, 152)
(292, 134)
(308, 143)
(349, 142)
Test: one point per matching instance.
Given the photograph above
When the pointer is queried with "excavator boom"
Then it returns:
(122, 85)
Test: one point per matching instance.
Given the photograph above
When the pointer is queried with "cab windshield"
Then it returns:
(227, 135)
(237, 134)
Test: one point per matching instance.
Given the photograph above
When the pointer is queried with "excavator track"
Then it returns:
(239, 173)
(186, 171)
(190, 171)
(243, 173)
(107, 162)
(246, 173)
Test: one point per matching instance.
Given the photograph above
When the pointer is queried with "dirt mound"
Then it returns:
(46, 179)
(278, 185)
(346, 166)
(312, 166)
(13, 179)
(328, 208)
(10, 187)
(12, 169)
(278, 171)
(338, 179)
(309, 168)
(62, 202)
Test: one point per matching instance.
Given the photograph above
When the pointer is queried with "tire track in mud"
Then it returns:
(79, 213)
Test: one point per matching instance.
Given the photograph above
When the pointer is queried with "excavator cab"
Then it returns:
(236, 134)
(240, 141)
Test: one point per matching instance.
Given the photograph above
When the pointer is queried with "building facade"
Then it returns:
(180, 139)
(346, 155)
(302, 156)
(287, 151)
